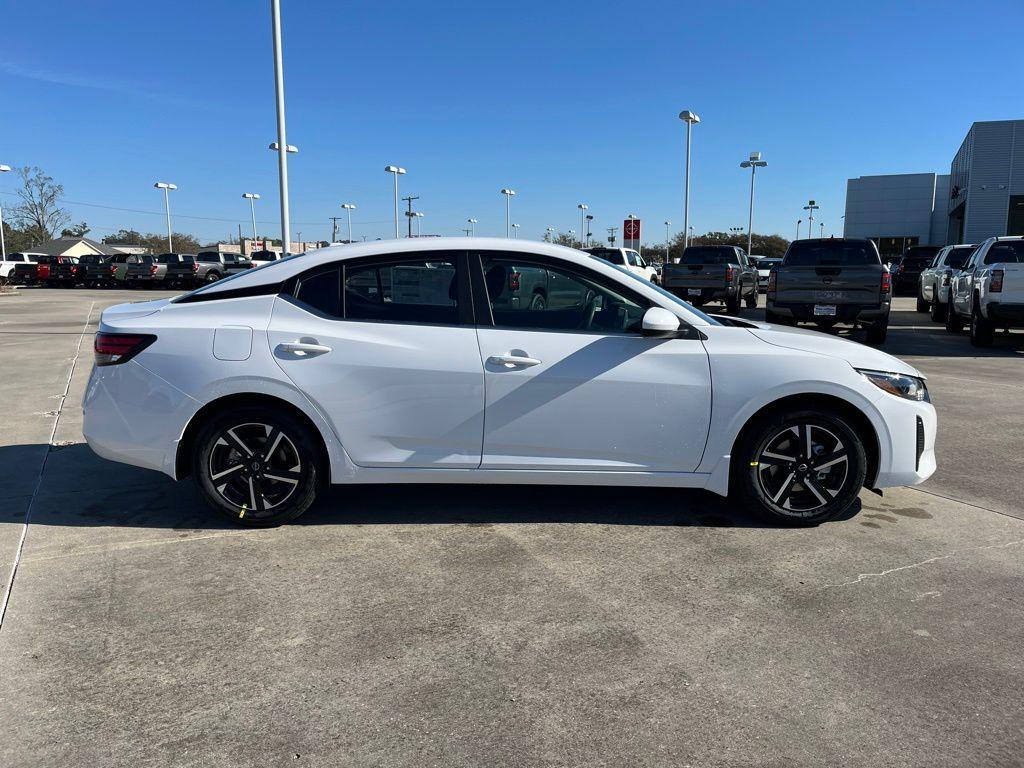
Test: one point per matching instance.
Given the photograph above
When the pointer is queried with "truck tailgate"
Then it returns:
(694, 275)
(829, 284)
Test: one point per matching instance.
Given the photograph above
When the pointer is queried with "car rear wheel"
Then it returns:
(922, 305)
(938, 313)
(732, 305)
(878, 330)
(801, 467)
(954, 323)
(256, 466)
(982, 330)
(752, 299)
(212, 277)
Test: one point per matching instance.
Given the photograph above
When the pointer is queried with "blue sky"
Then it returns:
(563, 101)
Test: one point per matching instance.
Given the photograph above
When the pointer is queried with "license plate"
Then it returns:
(693, 291)
(824, 309)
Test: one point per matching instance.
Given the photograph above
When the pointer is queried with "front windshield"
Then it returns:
(674, 299)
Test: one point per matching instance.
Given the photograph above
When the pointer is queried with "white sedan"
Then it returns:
(411, 361)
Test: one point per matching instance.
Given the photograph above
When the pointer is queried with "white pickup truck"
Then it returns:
(989, 290)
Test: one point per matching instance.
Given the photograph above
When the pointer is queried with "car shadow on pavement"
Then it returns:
(79, 489)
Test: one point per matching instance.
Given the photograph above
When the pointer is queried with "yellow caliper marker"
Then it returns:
(241, 512)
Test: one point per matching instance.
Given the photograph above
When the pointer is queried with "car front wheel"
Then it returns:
(256, 466)
(801, 467)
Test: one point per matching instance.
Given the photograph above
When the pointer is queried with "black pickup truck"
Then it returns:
(94, 271)
(830, 281)
(713, 273)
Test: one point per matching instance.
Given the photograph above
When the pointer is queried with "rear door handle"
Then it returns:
(303, 348)
(513, 361)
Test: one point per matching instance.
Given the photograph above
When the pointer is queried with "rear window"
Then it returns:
(957, 257)
(702, 254)
(611, 255)
(922, 253)
(1009, 252)
(90, 259)
(834, 253)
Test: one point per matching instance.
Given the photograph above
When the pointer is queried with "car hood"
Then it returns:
(857, 355)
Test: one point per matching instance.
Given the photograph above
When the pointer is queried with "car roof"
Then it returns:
(277, 272)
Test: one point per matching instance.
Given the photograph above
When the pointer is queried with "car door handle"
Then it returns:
(303, 348)
(513, 361)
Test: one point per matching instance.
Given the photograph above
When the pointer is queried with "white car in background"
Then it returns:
(403, 361)
(764, 265)
(934, 282)
(11, 260)
(628, 259)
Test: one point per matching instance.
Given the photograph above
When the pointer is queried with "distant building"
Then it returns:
(982, 196)
(248, 246)
(74, 246)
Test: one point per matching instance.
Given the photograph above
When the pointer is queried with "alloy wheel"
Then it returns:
(802, 468)
(255, 467)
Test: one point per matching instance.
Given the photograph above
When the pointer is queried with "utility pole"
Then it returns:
(334, 228)
(468, 232)
(611, 235)
(409, 214)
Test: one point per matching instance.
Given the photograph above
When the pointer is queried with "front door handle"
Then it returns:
(303, 348)
(513, 361)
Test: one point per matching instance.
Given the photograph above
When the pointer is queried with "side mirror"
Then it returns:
(660, 323)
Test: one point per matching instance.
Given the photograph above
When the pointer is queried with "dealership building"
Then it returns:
(981, 196)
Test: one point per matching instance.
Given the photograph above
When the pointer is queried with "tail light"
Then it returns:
(116, 348)
(886, 283)
(728, 274)
(513, 281)
(995, 285)
(773, 280)
(74, 270)
(195, 266)
(113, 269)
(152, 269)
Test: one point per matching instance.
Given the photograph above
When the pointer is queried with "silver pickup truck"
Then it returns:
(713, 273)
(830, 281)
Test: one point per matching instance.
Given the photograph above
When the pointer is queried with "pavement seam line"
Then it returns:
(42, 468)
(961, 501)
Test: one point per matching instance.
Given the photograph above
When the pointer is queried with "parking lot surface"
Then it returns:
(478, 626)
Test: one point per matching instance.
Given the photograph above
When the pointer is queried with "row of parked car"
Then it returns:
(980, 286)
(127, 270)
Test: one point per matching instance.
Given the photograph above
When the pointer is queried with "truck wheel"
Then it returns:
(982, 329)
(732, 305)
(954, 324)
(922, 305)
(938, 313)
(752, 300)
(798, 467)
(878, 330)
(256, 466)
(212, 277)
(538, 303)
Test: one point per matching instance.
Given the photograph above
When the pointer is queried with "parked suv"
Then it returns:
(933, 288)
(628, 259)
(829, 281)
(989, 290)
(713, 273)
(175, 270)
(18, 268)
(912, 263)
(213, 265)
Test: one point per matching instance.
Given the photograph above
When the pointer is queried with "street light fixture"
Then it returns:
(547, 233)
(668, 238)
(822, 225)
(798, 223)
(583, 227)
(252, 197)
(3, 246)
(167, 209)
(509, 194)
(689, 118)
(753, 164)
(394, 169)
(811, 207)
(515, 231)
(349, 207)
(472, 227)
(587, 233)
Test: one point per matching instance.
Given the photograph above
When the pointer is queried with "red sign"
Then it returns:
(631, 229)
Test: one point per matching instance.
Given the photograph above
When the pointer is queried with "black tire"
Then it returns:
(878, 330)
(938, 311)
(982, 329)
(732, 304)
(212, 277)
(752, 299)
(922, 305)
(538, 302)
(771, 317)
(267, 491)
(790, 492)
(954, 323)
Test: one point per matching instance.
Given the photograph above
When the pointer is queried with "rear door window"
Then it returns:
(412, 290)
(321, 290)
(829, 253)
(1009, 252)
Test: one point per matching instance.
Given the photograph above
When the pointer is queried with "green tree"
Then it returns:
(75, 230)
(39, 213)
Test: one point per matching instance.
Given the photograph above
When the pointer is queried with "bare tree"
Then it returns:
(39, 213)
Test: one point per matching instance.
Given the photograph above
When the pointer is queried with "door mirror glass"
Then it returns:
(659, 322)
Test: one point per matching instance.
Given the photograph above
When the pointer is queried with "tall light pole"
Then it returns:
(583, 226)
(668, 237)
(252, 197)
(3, 246)
(282, 140)
(472, 227)
(515, 231)
(394, 169)
(811, 207)
(547, 234)
(822, 225)
(349, 207)
(753, 164)
(419, 217)
(508, 193)
(167, 210)
(798, 223)
(587, 232)
(689, 118)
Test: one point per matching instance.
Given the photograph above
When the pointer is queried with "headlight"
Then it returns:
(901, 385)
